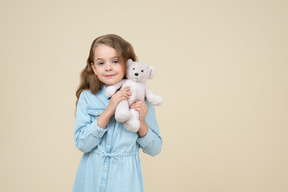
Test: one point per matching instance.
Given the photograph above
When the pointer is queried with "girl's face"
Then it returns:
(108, 66)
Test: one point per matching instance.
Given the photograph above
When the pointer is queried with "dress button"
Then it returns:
(96, 112)
(101, 190)
(108, 143)
(106, 166)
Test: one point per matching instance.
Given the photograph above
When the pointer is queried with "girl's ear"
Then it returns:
(152, 72)
(93, 68)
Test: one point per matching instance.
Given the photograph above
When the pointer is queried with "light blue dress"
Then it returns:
(110, 162)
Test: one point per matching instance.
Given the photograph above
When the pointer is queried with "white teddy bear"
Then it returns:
(136, 73)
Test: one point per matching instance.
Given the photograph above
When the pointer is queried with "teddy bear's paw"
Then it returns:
(132, 125)
(122, 116)
(157, 100)
(110, 90)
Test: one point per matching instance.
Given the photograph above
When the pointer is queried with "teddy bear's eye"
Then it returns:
(142, 71)
(133, 68)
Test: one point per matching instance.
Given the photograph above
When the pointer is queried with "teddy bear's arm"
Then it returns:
(110, 90)
(152, 98)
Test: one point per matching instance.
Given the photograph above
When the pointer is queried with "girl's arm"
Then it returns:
(149, 135)
(88, 135)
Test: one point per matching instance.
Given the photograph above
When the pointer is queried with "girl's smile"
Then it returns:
(109, 76)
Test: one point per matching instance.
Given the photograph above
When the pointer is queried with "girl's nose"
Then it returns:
(108, 67)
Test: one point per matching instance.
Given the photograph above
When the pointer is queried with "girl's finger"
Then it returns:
(123, 93)
(138, 108)
(143, 104)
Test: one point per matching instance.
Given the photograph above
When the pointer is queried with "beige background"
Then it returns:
(222, 71)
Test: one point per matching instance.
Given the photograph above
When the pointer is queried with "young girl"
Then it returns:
(110, 162)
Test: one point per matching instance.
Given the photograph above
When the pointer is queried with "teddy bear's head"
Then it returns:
(138, 71)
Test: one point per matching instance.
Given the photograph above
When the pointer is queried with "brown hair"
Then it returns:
(88, 80)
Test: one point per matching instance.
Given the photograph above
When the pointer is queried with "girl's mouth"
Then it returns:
(109, 76)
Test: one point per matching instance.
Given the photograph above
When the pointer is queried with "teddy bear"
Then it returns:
(137, 73)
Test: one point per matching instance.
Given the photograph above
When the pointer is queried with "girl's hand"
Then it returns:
(120, 95)
(142, 108)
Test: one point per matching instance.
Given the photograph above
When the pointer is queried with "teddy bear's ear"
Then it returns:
(129, 62)
(152, 72)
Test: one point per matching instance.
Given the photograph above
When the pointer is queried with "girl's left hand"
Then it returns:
(141, 107)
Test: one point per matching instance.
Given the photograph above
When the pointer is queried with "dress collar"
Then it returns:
(102, 91)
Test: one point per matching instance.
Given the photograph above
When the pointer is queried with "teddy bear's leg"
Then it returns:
(133, 124)
(122, 112)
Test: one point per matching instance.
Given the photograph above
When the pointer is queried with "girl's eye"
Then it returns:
(115, 61)
(142, 71)
(101, 63)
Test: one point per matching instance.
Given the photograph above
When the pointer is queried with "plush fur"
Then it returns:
(137, 74)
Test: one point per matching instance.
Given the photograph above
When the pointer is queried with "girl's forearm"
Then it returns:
(143, 129)
(104, 118)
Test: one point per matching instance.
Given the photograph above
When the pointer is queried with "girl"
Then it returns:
(110, 162)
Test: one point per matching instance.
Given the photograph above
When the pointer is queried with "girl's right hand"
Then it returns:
(105, 116)
(120, 95)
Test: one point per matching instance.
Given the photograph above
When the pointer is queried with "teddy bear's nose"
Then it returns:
(136, 74)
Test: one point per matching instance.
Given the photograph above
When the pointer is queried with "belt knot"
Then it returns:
(113, 156)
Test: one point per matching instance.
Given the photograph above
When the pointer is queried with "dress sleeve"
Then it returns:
(151, 143)
(87, 134)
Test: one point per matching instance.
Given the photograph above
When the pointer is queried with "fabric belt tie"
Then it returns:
(113, 156)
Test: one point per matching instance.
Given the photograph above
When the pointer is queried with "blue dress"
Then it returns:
(110, 162)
